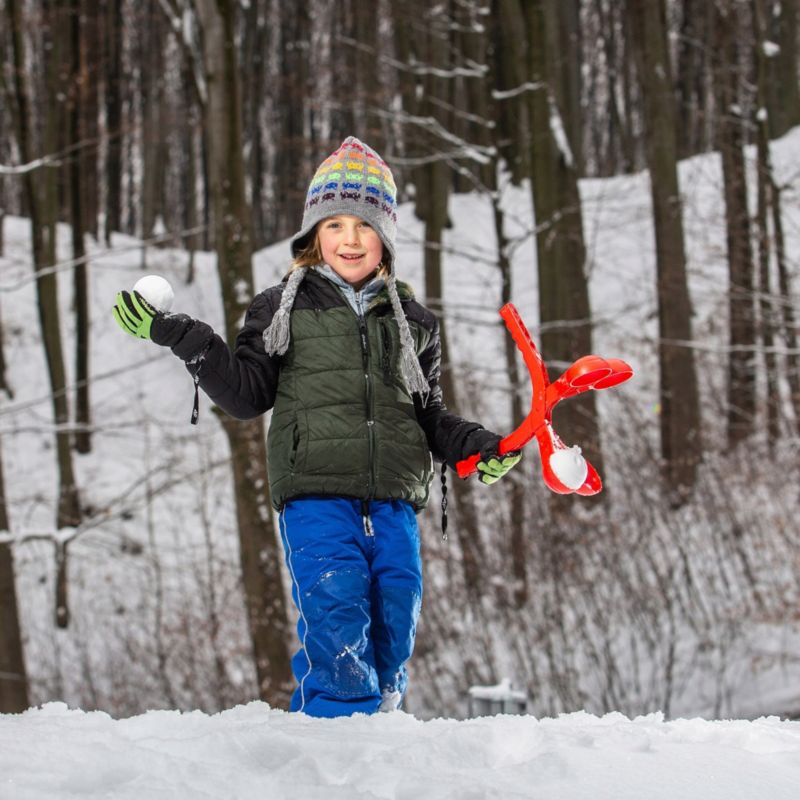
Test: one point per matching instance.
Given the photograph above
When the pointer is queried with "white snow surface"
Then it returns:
(254, 752)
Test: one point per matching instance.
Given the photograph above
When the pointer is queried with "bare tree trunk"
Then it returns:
(518, 523)
(560, 249)
(764, 183)
(789, 325)
(693, 70)
(113, 102)
(190, 221)
(153, 148)
(782, 85)
(620, 155)
(512, 68)
(90, 65)
(259, 551)
(13, 678)
(681, 445)
(293, 143)
(4, 383)
(40, 192)
(256, 54)
(741, 323)
(510, 73)
(77, 179)
(563, 27)
(356, 45)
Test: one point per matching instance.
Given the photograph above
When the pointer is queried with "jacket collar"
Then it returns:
(377, 293)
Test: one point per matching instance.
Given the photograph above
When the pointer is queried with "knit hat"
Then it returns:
(353, 179)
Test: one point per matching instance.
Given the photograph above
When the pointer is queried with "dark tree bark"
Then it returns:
(188, 173)
(681, 446)
(766, 305)
(508, 54)
(518, 527)
(563, 31)
(113, 126)
(40, 190)
(153, 135)
(507, 70)
(90, 65)
(560, 249)
(788, 319)
(292, 162)
(694, 69)
(78, 195)
(617, 152)
(13, 678)
(741, 405)
(471, 97)
(782, 83)
(259, 551)
(254, 84)
(5, 386)
(355, 47)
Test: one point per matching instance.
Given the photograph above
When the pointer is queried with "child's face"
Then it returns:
(350, 246)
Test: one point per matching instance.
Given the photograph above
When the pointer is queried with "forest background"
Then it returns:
(144, 136)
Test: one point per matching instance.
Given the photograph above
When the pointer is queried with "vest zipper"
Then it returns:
(386, 353)
(362, 324)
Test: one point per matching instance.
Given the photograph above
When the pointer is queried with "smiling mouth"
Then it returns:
(351, 257)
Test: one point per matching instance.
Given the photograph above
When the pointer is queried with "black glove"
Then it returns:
(169, 330)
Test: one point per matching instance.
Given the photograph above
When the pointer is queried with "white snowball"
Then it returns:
(569, 467)
(156, 290)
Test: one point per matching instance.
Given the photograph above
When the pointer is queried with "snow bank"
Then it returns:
(254, 752)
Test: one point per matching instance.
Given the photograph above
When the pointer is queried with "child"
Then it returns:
(349, 362)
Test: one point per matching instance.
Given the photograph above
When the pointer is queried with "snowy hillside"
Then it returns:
(253, 753)
(637, 610)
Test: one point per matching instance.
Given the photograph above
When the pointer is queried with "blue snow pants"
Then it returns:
(358, 590)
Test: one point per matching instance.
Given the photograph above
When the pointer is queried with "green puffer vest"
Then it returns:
(343, 422)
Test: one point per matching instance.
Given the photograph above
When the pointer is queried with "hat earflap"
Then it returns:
(410, 368)
(278, 334)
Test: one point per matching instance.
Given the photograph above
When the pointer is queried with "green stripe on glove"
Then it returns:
(134, 314)
(493, 466)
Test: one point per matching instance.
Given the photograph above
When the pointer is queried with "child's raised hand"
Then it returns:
(134, 314)
(139, 318)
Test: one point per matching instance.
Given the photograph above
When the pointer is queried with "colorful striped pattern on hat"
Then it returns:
(355, 173)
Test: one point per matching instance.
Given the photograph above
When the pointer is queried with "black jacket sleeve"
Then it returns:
(241, 381)
(450, 437)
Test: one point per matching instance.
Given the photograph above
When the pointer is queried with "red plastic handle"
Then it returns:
(588, 372)
(539, 382)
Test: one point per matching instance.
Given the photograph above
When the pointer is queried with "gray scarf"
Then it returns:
(278, 334)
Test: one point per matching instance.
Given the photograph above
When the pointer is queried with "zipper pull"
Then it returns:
(198, 359)
(196, 406)
(368, 529)
(444, 501)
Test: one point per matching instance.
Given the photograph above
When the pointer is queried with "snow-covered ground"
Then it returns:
(252, 752)
(160, 561)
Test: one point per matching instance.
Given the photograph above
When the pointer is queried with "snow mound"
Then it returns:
(254, 752)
